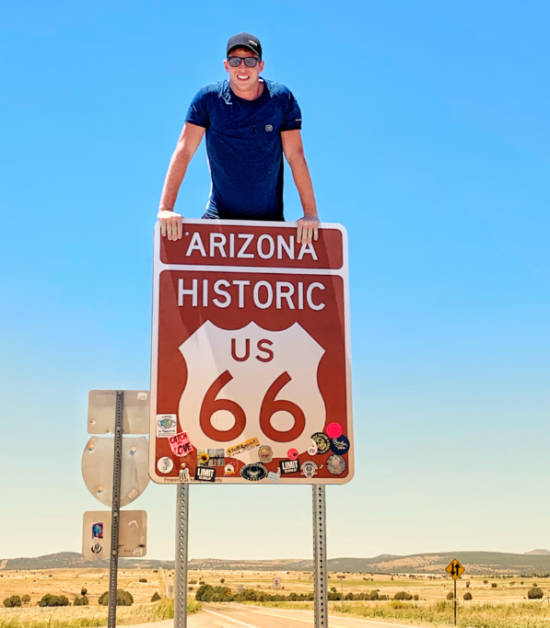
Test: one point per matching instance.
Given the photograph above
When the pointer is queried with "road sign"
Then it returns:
(96, 534)
(250, 376)
(454, 569)
(97, 468)
(135, 414)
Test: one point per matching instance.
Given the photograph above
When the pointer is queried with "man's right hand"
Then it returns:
(170, 224)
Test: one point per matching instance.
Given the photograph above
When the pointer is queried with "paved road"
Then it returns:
(235, 615)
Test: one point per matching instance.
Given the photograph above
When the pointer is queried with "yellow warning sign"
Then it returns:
(455, 569)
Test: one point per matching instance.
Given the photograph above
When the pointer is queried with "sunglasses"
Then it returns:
(235, 62)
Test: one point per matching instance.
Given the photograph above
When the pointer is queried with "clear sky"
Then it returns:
(426, 130)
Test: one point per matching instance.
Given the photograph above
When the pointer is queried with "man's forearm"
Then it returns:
(176, 171)
(302, 179)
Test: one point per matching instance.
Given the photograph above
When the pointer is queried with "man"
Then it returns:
(249, 123)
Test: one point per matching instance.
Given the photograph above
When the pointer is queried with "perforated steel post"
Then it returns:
(320, 556)
(115, 510)
(182, 536)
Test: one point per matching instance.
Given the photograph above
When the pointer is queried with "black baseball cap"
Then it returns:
(245, 40)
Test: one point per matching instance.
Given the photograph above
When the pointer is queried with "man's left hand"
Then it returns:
(308, 229)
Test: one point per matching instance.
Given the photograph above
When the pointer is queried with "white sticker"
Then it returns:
(274, 477)
(166, 425)
(165, 464)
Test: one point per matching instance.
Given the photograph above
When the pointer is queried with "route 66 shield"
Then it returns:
(251, 383)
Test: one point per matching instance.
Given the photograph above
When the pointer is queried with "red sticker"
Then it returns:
(292, 453)
(334, 430)
(180, 444)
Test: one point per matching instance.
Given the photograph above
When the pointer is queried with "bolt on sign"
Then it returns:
(250, 377)
(455, 569)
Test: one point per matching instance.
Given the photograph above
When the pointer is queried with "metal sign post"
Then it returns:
(320, 556)
(182, 536)
(115, 517)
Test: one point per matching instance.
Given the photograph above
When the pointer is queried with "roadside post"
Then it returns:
(251, 369)
(455, 569)
(114, 469)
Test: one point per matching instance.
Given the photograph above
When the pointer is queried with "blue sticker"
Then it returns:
(340, 445)
(254, 472)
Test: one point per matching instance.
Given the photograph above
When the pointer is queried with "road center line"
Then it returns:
(235, 621)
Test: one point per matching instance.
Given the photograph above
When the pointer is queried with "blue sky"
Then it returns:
(427, 135)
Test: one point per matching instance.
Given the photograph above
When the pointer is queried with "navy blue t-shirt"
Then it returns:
(243, 144)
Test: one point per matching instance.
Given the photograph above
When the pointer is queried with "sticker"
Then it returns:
(265, 453)
(96, 548)
(292, 453)
(254, 472)
(166, 425)
(334, 430)
(97, 531)
(312, 451)
(180, 444)
(165, 464)
(274, 477)
(184, 475)
(203, 457)
(229, 469)
(340, 445)
(205, 474)
(216, 457)
(248, 444)
(289, 466)
(322, 441)
(309, 468)
(336, 465)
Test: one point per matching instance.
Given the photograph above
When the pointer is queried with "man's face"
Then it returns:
(242, 78)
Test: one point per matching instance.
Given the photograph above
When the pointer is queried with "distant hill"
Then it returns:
(536, 562)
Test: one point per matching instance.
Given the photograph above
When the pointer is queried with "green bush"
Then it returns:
(54, 600)
(83, 591)
(155, 597)
(536, 593)
(12, 601)
(402, 595)
(81, 601)
(467, 596)
(450, 595)
(26, 598)
(123, 598)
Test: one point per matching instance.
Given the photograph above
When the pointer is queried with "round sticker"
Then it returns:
(336, 465)
(229, 469)
(254, 472)
(292, 453)
(203, 457)
(340, 445)
(165, 464)
(265, 453)
(322, 441)
(334, 430)
(312, 451)
(309, 468)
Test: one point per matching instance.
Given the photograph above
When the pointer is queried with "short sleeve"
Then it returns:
(198, 110)
(293, 116)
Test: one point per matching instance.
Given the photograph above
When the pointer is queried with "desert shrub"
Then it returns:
(204, 592)
(155, 597)
(192, 582)
(123, 598)
(467, 584)
(373, 595)
(535, 593)
(143, 579)
(83, 591)
(450, 595)
(467, 596)
(222, 580)
(81, 601)
(402, 595)
(493, 585)
(26, 598)
(12, 601)
(349, 596)
(416, 597)
(53, 600)
(486, 582)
